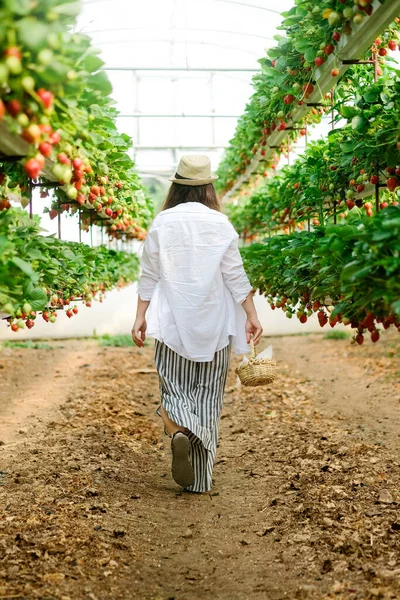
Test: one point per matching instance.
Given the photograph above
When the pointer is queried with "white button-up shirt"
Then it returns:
(193, 275)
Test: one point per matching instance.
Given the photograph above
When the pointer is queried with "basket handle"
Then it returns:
(252, 350)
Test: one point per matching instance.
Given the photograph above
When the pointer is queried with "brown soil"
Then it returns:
(306, 497)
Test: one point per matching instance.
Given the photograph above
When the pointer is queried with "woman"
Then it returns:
(200, 305)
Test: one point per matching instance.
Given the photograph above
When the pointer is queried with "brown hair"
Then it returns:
(179, 194)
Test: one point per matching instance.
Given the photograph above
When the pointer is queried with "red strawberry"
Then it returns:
(375, 335)
(32, 168)
(336, 36)
(392, 45)
(319, 61)
(45, 128)
(13, 51)
(289, 99)
(46, 97)
(13, 107)
(2, 109)
(360, 188)
(392, 183)
(29, 323)
(95, 190)
(14, 327)
(329, 49)
(69, 313)
(75, 310)
(360, 339)
(55, 138)
(350, 203)
(303, 131)
(382, 52)
(45, 148)
(374, 179)
(63, 158)
(77, 163)
(308, 89)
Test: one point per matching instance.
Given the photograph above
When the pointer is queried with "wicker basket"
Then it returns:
(258, 371)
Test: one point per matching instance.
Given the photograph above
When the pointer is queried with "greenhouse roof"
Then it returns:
(181, 70)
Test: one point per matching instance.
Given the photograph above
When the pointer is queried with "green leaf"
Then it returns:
(348, 112)
(281, 64)
(71, 9)
(347, 147)
(35, 254)
(32, 32)
(358, 123)
(396, 307)
(371, 96)
(100, 82)
(310, 54)
(274, 53)
(23, 265)
(37, 299)
(302, 45)
(92, 63)
(19, 7)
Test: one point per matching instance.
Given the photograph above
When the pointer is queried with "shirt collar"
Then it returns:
(192, 207)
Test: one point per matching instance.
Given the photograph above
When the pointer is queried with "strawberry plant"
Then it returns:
(326, 179)
(353, 266)
(54, 94)
(289, 76)
(42, 273)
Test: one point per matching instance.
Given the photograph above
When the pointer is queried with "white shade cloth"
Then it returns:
(193, 275)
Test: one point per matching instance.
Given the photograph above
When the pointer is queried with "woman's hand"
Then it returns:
(253, 328)
(253, 325)
(139, 331)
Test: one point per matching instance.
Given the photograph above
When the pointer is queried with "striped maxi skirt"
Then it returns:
(192, 396)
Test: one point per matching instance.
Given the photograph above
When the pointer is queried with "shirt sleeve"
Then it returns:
(149, 263)
(234, 274)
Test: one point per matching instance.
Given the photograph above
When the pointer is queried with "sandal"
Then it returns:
(182, 469)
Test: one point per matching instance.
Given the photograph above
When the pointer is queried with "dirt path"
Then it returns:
(305, 503)
(360, 386)
(36, 381)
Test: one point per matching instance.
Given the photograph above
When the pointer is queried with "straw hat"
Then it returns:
(195, 170)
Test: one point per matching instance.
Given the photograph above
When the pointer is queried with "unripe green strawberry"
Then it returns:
(27, 308)
(45, 56)
(8, 308)
(28, 83)
(13, 64)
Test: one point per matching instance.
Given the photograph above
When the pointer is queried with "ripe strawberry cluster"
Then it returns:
(391, 179)
(304, 308)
